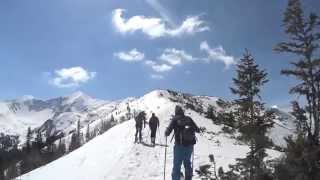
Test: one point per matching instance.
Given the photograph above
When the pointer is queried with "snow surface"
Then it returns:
(114, 156)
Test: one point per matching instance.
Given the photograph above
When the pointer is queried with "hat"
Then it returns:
(179, 110)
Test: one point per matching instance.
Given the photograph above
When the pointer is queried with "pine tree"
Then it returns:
(78, 129)
(39, 141)
(74, 142)
(210, 112)
(2, 158)
(103, 127)
(112, 120)
(88, 136)
(301, 119)
(304, 39)
(76, 138)
(28, 142)
(302, 151)
(61, 147)
(253, 119)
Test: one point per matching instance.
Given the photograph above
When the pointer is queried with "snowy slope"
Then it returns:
(114, 156)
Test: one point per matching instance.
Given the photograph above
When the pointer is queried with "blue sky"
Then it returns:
(114, 48)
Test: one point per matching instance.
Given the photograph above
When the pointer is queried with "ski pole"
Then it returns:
(165, 160)
(159, 137)
(192, 160)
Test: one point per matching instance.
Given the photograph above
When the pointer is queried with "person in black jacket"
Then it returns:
(140, 122)
(184, 131)
(153, 125)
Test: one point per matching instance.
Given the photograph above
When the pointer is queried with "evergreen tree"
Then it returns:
(103, 127)
(253, 119)
(78, 129)
(11, 172)
(112, 120)
(210, 113)
(61, 147)
(301, 119)
(304, 39)
(39, 141)
(74, 143)
(302, 151)
(28, 141)
(2, 165)
(88, 136)
(76, 138)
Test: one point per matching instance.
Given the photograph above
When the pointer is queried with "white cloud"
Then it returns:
(175, 57)
(161, 68)
(156, 76)
(158, 67)
(217, 54)
(191, 25)
(71, 77)
(156, 27)
(130, 56)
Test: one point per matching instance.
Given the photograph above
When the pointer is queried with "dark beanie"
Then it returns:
(179, 110)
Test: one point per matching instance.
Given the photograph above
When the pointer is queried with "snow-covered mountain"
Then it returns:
(114, 156)
(51, 116)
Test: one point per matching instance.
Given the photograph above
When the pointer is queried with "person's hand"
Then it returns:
(166, 133)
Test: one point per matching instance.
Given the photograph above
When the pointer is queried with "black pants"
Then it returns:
(138, 132)
(153, 134)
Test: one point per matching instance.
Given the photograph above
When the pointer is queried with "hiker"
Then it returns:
(140, 121)
(153, 125)
(184, 132)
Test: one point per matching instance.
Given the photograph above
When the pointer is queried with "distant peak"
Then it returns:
(77, 95)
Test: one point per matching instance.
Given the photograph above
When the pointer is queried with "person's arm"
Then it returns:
(158, 123)
(170, 128)
(149, 122)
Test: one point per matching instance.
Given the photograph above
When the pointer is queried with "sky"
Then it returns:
(112, 49)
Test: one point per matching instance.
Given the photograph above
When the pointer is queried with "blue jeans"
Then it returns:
(182, 154)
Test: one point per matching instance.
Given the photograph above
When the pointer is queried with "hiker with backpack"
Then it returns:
(184, 132)
(140, 122)
(153, 125)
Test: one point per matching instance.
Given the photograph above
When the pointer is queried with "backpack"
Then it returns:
(186, 131)
(139, 120)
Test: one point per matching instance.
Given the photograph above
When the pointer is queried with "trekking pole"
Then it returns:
(192, 160)
(159, 136)
(165, 160)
